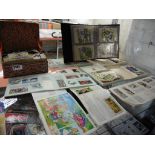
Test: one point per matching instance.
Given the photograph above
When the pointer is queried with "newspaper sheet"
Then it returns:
(50, 81)
(136, 93)
(101, 106)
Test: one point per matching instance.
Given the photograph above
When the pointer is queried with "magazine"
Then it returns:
(136, 93)
(60, 79)
(61, 114)
(101, 106)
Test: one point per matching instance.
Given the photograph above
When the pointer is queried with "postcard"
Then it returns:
(83, 35)
(108, 34)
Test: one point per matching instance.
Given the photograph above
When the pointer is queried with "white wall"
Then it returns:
(137, 50)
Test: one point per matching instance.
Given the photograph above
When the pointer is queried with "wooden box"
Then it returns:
(21, 51)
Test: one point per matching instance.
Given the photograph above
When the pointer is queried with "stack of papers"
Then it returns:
(137, 94)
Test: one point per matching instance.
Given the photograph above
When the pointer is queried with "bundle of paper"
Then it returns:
(23, 55)
(129, 72)
(61, 114)
(101, 106)
(51, 81)
(93, 67)
(2, 120)
(136, 96)
(111, 62)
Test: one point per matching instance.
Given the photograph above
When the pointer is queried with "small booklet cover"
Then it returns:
(61, 114)
(83, 42)
(101, 106)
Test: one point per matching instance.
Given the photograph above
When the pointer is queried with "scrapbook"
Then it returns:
(61, 114)
(83, 42)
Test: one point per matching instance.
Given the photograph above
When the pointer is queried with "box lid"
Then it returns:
(18, 36)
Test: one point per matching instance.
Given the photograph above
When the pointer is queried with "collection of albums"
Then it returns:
(99, 96)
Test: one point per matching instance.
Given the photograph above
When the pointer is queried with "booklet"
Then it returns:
(60, 79)
(136, 93)
(101, 106)
(61, 113)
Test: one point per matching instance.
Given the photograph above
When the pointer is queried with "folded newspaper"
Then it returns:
(61, 114)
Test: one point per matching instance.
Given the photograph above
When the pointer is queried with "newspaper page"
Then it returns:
(51, 81)
(101, 106)
(136, 93)
(61, 114)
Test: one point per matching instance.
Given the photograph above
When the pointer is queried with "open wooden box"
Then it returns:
(16, 37)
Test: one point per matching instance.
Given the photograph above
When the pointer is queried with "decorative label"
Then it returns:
(17, 67)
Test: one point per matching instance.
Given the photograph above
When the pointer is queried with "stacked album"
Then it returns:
(83, 42)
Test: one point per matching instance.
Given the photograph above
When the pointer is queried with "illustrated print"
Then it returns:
(83, 90)
(18, 90)
(36, 85)
(84, 82)
(61, 83)
(108, 34)
(113, 105)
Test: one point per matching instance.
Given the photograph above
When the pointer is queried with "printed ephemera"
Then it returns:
(61, 114)
(101, 106)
